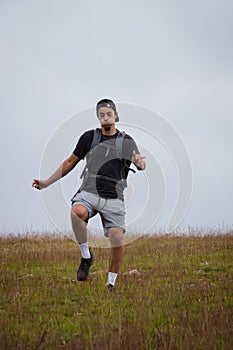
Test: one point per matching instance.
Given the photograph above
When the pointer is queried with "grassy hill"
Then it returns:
(174, 292)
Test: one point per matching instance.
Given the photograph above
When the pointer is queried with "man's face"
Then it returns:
(106, 116)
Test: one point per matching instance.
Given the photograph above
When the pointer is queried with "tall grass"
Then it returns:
(174, 292)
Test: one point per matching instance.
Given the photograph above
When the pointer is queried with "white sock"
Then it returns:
(112, 278)
(85, 250)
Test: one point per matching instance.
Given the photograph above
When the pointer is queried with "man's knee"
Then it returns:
(79, 211)
(116, 236)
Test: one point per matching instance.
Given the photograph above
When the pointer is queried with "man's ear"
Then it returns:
(117, 117)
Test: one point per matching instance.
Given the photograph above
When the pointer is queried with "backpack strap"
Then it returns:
(119, 147)
(96, 138)
(119, 143)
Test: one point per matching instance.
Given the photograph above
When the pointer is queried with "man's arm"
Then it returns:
(62, 171)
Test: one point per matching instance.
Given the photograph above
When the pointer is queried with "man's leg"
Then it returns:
(116, 237)
(78, 216)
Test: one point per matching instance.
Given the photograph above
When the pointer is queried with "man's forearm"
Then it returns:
(62, 171)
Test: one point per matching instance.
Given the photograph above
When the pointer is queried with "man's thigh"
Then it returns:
(83, 201)
(113, 216)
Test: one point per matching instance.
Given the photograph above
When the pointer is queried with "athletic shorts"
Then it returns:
(112, 211)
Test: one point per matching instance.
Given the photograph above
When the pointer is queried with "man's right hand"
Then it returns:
(39, 184)
(63, 170)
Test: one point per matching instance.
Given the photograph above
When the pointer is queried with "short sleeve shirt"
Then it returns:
(105, 163)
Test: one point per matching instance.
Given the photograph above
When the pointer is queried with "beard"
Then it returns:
(107, 127)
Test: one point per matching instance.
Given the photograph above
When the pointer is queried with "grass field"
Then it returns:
(174, 292)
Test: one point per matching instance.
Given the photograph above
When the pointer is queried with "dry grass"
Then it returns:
(177, 296)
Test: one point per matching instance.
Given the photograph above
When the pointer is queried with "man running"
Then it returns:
(108, 153)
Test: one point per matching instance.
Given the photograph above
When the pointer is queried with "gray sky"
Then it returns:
(60, 57)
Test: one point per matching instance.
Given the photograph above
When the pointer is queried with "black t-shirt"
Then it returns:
(105, 162)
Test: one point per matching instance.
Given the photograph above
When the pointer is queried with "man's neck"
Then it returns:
(109, 132)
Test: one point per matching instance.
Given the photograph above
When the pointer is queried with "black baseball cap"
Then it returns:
(107, 103)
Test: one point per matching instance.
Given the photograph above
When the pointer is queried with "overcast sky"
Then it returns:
(60, 57)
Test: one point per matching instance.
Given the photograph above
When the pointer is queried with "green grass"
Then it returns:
(180, 298)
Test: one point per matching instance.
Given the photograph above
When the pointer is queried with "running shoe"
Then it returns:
(84, 268)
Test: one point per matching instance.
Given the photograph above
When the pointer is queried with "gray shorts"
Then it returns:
(112, 211)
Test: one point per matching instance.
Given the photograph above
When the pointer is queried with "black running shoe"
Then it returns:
(84, 268)
(110, 288)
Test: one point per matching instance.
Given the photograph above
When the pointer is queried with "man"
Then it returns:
(108, 153)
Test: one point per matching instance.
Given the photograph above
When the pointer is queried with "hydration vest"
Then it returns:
(86, 173)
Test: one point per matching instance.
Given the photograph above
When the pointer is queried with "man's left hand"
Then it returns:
(138, 160)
